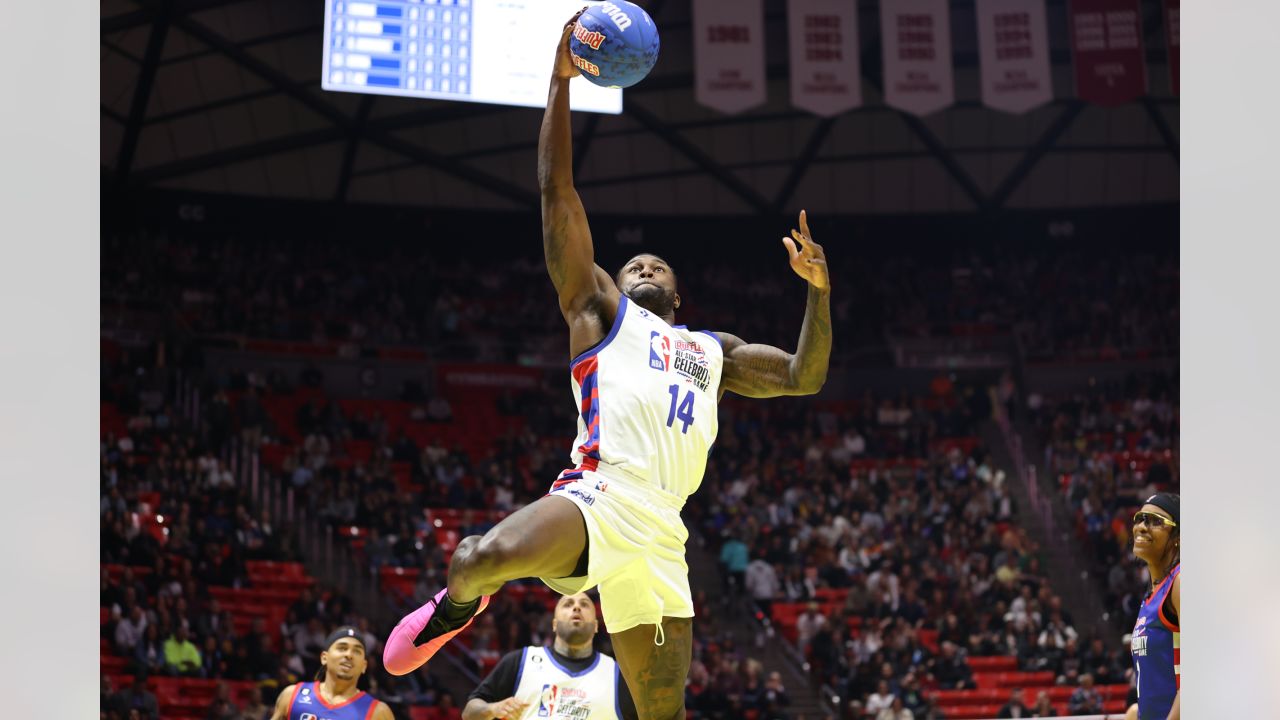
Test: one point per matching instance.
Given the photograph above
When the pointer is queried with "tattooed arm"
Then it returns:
(588, 296)
(762, 371)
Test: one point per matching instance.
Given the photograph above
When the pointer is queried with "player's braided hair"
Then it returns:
(1174, 546)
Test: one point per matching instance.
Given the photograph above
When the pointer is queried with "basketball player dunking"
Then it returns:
(647, 390)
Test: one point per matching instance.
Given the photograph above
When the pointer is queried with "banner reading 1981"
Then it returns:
(728, 54)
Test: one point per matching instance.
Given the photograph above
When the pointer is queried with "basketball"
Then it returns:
(614, 44)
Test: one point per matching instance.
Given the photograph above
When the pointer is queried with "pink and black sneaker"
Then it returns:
(421, 634)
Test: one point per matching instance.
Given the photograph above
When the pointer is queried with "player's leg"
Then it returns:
(654, 660)
(655, 674)
(543, 539)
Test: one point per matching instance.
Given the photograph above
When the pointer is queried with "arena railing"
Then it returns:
(326, 557)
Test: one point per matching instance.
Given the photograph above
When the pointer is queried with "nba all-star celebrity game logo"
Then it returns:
(561, 703)
(1138, 644)
(687, 359)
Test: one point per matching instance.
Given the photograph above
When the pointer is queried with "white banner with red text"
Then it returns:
(826, 75)
(916, 37)
(728, 54)
(1013, 48)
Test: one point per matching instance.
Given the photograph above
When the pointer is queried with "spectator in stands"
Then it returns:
(130, 630)
(1015, 708)
(106, 691)
(808, 624)
(211, 657)
(1101, 664)
(305, 607)
(254, 708)
(222, 707)
(775, 697)
(931, 711)
(291, 660)
(181, 656)
(912, 697)
(211, 622)
(881, 699)
(733, 565)
(762, 583)
(796, 586)
(149, 653)
(137, 698)
(895, 711)
(1069, 664)
(950, 670)
(1057, 634)
(1085, 700)
(257, 646)
(439, 410)
(1043, 708)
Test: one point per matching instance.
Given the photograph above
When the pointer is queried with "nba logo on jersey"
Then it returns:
(659, 351)
(547, 705)
(307, 716)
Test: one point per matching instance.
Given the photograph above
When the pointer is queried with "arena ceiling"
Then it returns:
(224, 96)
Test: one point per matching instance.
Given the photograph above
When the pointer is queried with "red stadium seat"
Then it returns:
(1013, 679)
(398, 580)
(994, 663)
(111, 664)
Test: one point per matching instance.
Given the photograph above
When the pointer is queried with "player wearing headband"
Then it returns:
(1155, 644)
(334, 695)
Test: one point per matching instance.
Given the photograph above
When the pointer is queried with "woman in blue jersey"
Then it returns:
(1156, 640)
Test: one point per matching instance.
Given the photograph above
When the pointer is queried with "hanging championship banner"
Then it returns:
(1013, 45)
(728, 54)
(1106, 44)
(1171, 42)
(916, 35)
(826, 75)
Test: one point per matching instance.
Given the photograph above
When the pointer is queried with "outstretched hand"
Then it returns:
(564, 60)
(510, 708)
(807, 257)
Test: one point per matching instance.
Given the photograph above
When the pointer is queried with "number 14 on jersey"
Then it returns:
(684, 411)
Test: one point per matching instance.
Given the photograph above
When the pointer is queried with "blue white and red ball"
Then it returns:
(614, 44)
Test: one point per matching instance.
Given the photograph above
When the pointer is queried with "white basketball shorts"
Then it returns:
(636, 543)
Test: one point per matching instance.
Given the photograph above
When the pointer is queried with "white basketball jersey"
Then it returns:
(554, 693)
(647, 396)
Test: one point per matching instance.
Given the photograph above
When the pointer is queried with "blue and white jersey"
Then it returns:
(1157, 653)
(648, 396)
(308, 703)
(555, 692)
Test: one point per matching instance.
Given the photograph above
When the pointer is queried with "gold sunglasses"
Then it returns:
(1152, 520)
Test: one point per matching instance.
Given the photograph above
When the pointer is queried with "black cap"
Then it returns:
(346, 631)
(1167, 502)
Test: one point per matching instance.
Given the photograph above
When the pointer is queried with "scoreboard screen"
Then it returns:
(486, 51)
